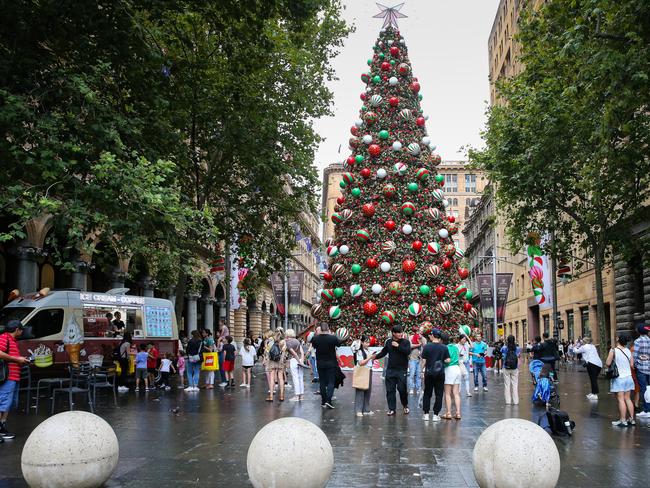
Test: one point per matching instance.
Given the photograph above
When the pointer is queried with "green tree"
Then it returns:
(568, 147)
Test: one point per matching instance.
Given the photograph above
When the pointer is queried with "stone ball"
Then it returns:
(516, 453)
(72, 450)
(309, 463)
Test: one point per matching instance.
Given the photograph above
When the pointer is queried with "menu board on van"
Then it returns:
(158, 321)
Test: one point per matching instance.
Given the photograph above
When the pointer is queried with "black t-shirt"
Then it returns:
(325, 345)
(230, 352)
(432, 352)
(398, 357)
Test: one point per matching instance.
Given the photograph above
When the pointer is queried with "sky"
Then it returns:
(447, 42)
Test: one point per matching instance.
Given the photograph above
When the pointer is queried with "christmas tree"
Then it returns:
(392, 259)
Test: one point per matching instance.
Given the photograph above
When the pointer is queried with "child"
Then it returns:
(362, 397)
(164, 369)
(141, 372)
(180, 363)
(247, 354)
(229, 361)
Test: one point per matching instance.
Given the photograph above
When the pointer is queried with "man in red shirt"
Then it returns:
(12, 361)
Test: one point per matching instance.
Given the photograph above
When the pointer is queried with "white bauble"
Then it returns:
(343, 250)
(426, 140)
(407, 229)
(443, 233)
(358, 123)
(376, 288)
(392, 81)
(390, 42)
(367, 139)
(445, 202)
(426, 117)
(402, 41)
(397, 146)
(432, 147)
(385, 267)
(381, 173)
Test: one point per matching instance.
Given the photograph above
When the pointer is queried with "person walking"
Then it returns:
(464, 362)
(325, 345)
(124, 352)
(224, 332)
(311, 353)
(296, 360)
(549, 354)
(397, 348)
(498, 357)
(274, 363)
(208, 346)
(477, 352)
(623, 385)
(642, 367)
(434, 357)
(594, 365)
(194, 360)
(414, 378)
(362, 397)
(247, 353)
(452, 380)
(9, 388)
(511, 353)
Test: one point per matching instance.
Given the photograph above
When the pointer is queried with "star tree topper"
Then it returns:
(390, 15)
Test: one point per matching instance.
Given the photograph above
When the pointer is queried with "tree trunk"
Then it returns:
(599, 264)
(181, 286)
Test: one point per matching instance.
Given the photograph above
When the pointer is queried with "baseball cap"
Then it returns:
(643, 328)
(13, 325)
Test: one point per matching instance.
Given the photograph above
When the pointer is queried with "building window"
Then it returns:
(524, 331)
(584, 322)
(470, 183)
(547, 324)
(451, 183)
(570, 324)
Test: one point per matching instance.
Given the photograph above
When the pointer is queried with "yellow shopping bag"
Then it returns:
(210, 361)
(118, 368)
(131, 364)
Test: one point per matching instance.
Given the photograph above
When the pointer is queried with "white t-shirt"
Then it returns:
(622, 357)
(165, 365)
(247, 357)
(590, 354)
(360, 358)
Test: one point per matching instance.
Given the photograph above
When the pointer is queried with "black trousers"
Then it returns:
(551, 362)
(164, 378)
(122, 380)
(593, 371)
(433, 384)
(327, 376)
(396, 380)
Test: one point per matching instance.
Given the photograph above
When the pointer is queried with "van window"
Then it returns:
(45, 323)
(13, 313)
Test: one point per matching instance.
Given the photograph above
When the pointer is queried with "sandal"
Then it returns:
(446, 416)
(457, 417)
(406, 411)
(281, 398)
(269, 398)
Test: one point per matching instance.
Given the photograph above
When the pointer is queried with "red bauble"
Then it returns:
(326, 275)
(370, 308)
(394, 51)
(373, 341)
(354, 130)
(416, 245)
(440, 290)
(463, 273)
(368, 210)
(420, 121)
(446, 263)
(365, 173)
(363, 97)
(374, 150)
(451, 219)
(351, 161)
(340, 200)
(393, 101)
(385, 66)
(467, 306)
(372, 263)
(415, 87)
(408, 266)
(390, 225)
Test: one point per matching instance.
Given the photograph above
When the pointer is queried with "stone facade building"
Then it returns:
(331, 191)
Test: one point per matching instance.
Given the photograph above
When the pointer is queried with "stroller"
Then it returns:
(545, 392)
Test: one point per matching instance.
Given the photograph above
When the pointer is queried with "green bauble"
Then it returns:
(359, 159)
(364, 108)
(420, 97)
(383, 134)
(382, 55)
(424, 290)
(356, 268)
(413, 187)
(369, 62)
(392, 61)
(376, 79)
(469, 294)
(338, 292)
(439, 178)
(356, 192)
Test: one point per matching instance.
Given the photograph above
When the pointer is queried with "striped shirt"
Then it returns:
(642, 354)
(9, 346)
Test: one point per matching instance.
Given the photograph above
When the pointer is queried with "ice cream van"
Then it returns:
(59, 323)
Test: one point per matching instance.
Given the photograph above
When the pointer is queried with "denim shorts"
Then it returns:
(8, 392)
(622, 384)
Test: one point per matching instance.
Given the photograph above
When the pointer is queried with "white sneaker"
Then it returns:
(476, 388)
(359, 414)
(223, 384)
(243, 385)
(425, 417)
(411, 392)
(167, 388)
(485, 388)
(591, 396)
(469, 394)
(196, 388)
(369, 413)
(436, 418)
(189, 388)
(643, 414)
(247, 386)
(619, 423)
(294, 399)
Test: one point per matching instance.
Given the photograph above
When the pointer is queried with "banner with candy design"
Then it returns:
(539, 271)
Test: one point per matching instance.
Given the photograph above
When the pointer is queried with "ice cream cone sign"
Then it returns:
(72, 339)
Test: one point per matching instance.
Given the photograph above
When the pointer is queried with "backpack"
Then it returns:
(436, 369)
(558, 422)
(275, 353)
(511, 361)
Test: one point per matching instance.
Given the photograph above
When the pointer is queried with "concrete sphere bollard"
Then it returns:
(71, 450)
(290, 453)
(516, 453)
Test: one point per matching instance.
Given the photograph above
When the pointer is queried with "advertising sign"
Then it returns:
(486, 288)
(277, 284)
(296, 279)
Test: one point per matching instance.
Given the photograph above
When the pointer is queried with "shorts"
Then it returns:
(274, 366)
(452, 375)
(141, 373)
(621, 384)
(8, 393)
(152, 371)
(228, 365)
(247, 367)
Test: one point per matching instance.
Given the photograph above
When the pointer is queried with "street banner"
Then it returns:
(296, 279)
(234, 278)
(277, 284)
(539, 270)
(486, 289)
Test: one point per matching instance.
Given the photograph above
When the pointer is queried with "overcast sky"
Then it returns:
(447, 41)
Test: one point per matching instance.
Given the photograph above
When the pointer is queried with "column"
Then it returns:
(266, 321)
(148, 286)
(208, 313)
(239, 329)
(256, 322)
(172, 295)
(27, 269)
(117, 279)
(191, 313)
(624, 295)
(222, 309)
(79, 278)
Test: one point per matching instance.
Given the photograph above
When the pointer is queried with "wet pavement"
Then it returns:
(207, 442)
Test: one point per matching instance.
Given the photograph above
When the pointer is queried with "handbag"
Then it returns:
(361, 378)
(612, 369)
(4, 367)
